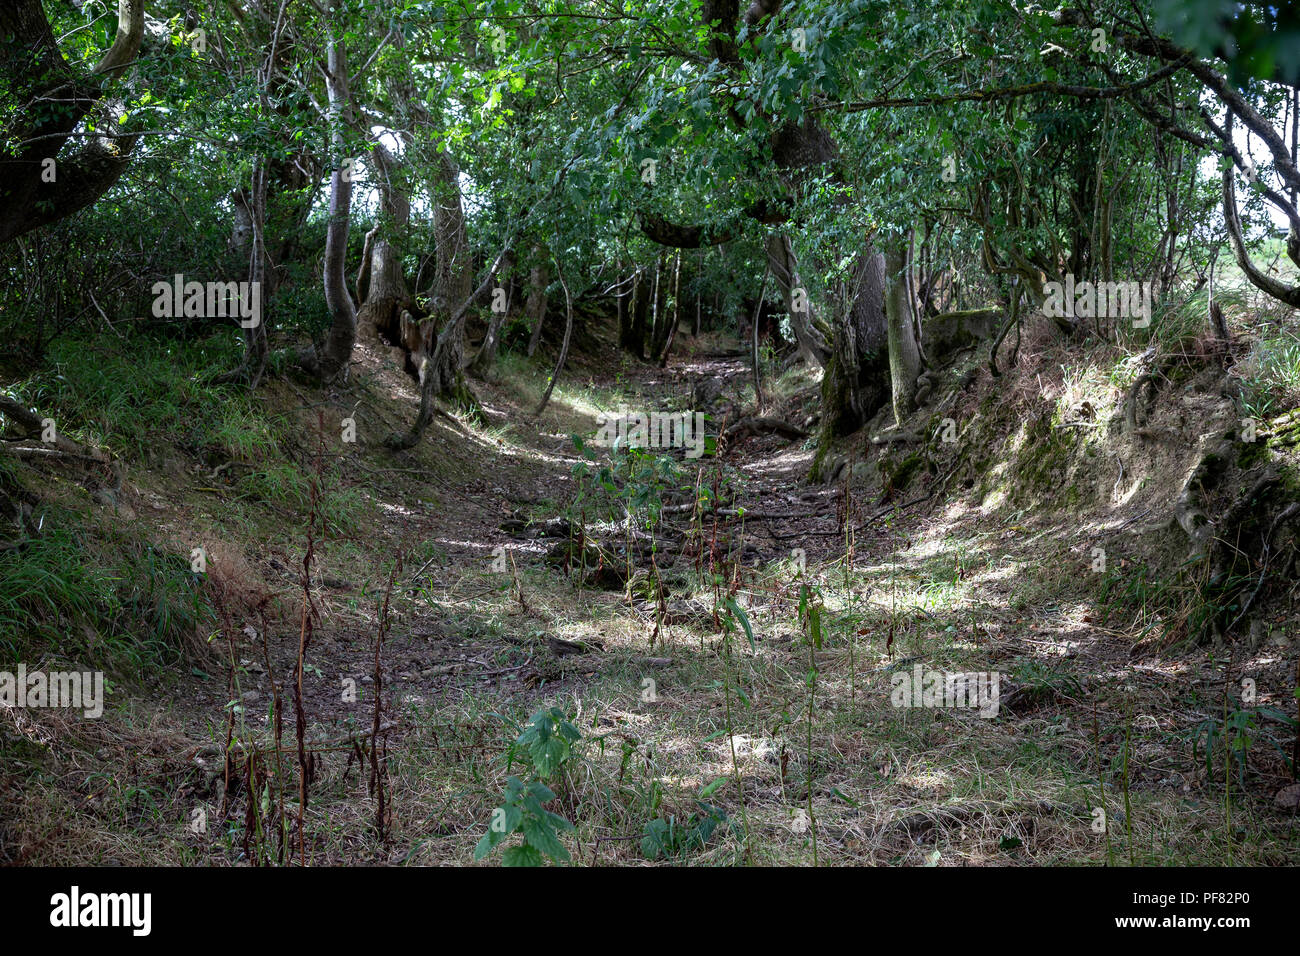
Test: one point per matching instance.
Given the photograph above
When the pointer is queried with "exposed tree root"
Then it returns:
(1287, 514)
(1189, 512)
(1221, 545)
(1149, 381)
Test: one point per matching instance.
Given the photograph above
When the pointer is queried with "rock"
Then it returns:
(949, 332)
(562, 648)
(706, 391)
(1288, 798)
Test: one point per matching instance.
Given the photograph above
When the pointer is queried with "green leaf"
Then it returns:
(540, 791)
(514, 787)
(738, 612)
(538, 833)
(712, 788)
(549, 755)
(559, 822)
(521, 856)
(655, 840)
(485, 845)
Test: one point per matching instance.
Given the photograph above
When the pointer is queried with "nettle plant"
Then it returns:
(676, 839)
(635, 478)
(545, 746)
(1235, 733)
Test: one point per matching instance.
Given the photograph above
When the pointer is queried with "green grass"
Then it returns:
(130, 393)
(96, 597)
(1272, 374)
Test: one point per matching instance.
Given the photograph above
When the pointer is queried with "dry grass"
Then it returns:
(468, 660)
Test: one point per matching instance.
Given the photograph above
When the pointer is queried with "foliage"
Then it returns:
(1234, 734)
(676, 839)
(521, 811)
(105, 600)
(544, 746)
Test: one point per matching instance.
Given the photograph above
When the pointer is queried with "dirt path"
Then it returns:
(679, 721)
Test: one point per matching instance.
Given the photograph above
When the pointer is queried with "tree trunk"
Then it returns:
(753, 346)
(387, 302)
(486, 356)
(381, 284)
(904, 355)
(699, 297)
(564, 345)
(627, 288)
(535, 307)
(658, 294)
(256, 347)
(451, 286)
(785, 270)
(337, 352)
(855, 382)
(455, 326)
(677, 312)
(640, 313)
(37, 187)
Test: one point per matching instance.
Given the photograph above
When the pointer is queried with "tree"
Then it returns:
(39, 182)
(904, 356)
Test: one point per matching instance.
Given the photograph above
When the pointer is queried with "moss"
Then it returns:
(1251, 453)
(1290, 476)
(825, 442)
(897, 475)
(1285, 430)
(1046, 455)
(835, 404)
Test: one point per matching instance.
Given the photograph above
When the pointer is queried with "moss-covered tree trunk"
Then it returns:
(855, 382)
(904, 354)
(539, 277)
(452, 285)
(44, 102)
(342, 336)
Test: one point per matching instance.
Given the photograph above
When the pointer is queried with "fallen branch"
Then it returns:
(35, 424)
(757, 423)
